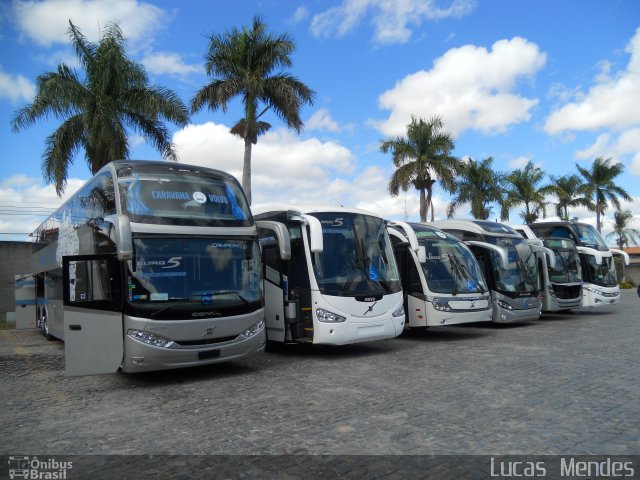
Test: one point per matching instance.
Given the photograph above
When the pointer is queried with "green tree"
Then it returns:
(247, 63)
(522, 188)
(623, 232)
(421, 159)
(599, 187)
(100, 110)
(479, 185)
(566, 189)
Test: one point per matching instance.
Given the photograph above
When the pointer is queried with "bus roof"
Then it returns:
(307, 208)
(476, 226)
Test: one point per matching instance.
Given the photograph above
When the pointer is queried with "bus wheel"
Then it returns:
(44, 326)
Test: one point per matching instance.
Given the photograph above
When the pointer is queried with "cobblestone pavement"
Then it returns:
(565, 384)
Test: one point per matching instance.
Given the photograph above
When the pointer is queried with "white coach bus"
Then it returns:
(508, 262)
(150, 266)
(600, 285)
(330, 275)
(441, 279)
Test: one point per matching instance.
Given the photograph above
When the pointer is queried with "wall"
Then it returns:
(15, 260)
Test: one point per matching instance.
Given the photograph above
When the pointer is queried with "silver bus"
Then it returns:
(508, 263)
(441, 279)
(150, 266)
(560, 275)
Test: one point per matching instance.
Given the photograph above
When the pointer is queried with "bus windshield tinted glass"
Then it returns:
(450, 267)
(603, 274)
(181, 197)
(357, 257)
(210, 271)
(589, 237)
(567, 268)
(520, 274)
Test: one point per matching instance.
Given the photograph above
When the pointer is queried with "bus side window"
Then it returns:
(272, 264)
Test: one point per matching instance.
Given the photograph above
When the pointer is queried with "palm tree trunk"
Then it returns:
(246, 170)
(423, 207)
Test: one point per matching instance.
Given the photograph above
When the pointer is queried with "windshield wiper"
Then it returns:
(462, 272)
(178, 301)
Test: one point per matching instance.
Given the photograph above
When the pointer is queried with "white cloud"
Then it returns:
(16, 87)
(391, 20)
(470, 87)
(519, 162)
(26, 202)
(598, 149)
(159, 63)
(610, 103)
(47, 22)
(301, 14)
(321, 120)
(617, 147)
(284, 166)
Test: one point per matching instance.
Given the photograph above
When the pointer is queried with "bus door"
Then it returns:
(93, 331)
(25, 294)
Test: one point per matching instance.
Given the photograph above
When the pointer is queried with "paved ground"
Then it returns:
(565, 384)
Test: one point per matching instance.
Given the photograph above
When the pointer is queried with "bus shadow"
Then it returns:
(352, 350)
(443, 334)
(214, 371)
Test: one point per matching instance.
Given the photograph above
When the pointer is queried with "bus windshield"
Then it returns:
(181, 197)
(603, 274)
(567, 269)
(449, 267)
(589, 237)
(520, 275)
(357, 257)
(224, 274)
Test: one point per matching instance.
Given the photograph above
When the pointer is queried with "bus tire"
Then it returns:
(44, 326)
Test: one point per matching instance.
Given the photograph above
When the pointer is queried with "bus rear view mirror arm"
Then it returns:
(124, 242)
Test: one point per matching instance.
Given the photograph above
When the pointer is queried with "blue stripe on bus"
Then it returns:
(26, 302)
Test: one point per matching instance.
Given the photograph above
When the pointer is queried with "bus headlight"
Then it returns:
(399, 312)
(503, 304)
(149, 338)
(597, 291)
(441, 305)
(329, 317)
(250, 332)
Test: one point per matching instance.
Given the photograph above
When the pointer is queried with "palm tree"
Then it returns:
(566, 189)
(599, 186)
(623, 232)
(422, 159)
(522, 188)
(478, 185)
(246, 63)
(99, 111)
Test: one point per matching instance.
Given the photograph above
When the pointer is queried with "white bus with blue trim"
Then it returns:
(441, 279)
(509, 264)
(330, 275)
(600, 283)
(151, 266)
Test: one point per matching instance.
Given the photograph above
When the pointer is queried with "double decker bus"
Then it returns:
(560, 275)
(600, 285)
(330, 275)
(150, 266)
(509, 265)
(441, 279)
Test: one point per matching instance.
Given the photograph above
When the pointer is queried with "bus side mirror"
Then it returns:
(422, 254)
(124, 242)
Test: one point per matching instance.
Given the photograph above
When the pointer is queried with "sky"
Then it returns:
(554, 83)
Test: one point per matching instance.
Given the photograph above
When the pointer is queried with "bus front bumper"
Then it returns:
(141, 357)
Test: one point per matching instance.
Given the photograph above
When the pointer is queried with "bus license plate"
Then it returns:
(208, 354)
